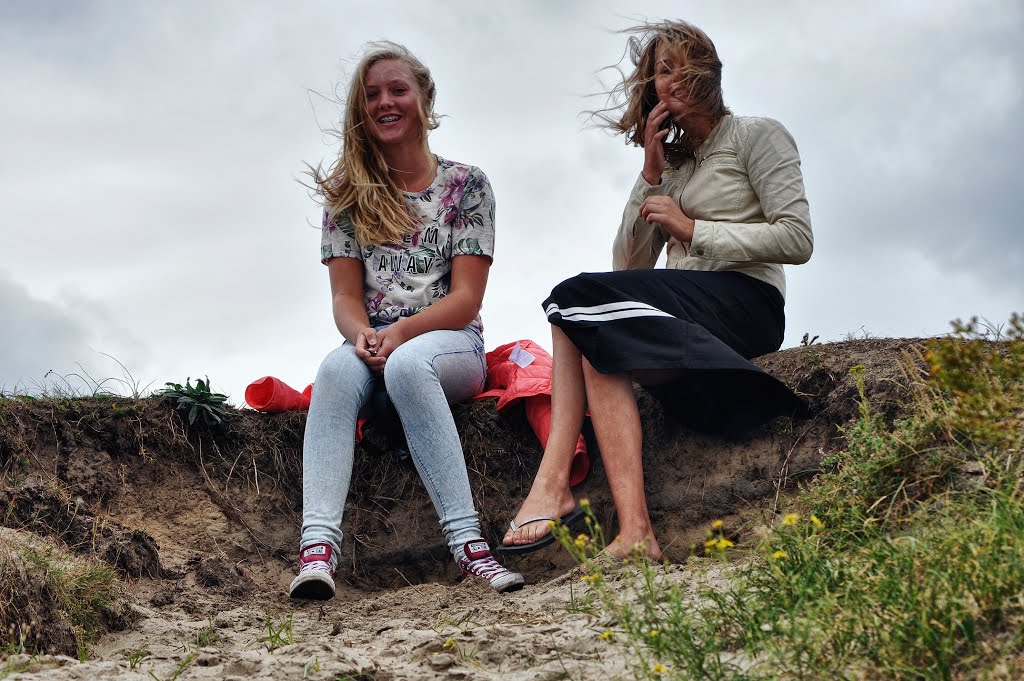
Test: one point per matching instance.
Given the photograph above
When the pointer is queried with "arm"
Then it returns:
(455, 311)
(347, 296)
(773, 166)
(638, 243)
(350, 309)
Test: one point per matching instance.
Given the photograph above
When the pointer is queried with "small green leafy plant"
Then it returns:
(198, 400)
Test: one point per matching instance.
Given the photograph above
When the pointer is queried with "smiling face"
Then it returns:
(392, 101)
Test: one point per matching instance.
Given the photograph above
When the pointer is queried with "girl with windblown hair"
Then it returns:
(725, 196)
(408, 239)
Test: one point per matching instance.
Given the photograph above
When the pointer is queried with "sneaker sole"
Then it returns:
(314, 586)
(508, 583)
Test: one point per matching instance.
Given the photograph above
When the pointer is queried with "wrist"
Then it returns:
(651, 178)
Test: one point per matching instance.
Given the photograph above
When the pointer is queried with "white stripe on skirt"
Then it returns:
(606, 311)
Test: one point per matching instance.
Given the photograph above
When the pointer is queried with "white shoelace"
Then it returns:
(321, 565)
(487, 568)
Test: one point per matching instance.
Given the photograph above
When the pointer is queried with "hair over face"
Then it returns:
(697, 75)
(358, 181)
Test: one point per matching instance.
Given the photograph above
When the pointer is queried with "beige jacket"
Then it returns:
(745, 193)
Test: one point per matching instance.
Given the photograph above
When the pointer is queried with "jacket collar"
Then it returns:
(717, 133)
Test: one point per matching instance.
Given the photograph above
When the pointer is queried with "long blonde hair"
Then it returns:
(358, 181)
(698, 80)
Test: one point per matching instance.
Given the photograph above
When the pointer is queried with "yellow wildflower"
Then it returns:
(580, 544)
(653, 633)
(658, 668)
(816, 521)
(717, 525)
(607, 635)
(791, 519)
(780, 554)
(723, 544)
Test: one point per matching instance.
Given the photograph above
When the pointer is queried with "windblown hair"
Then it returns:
(358, 181)
(696, 67)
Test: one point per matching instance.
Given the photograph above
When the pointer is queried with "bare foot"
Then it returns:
(538, 504)
(644, 544)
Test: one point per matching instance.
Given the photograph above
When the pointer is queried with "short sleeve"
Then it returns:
(473, 229)
(338, 238)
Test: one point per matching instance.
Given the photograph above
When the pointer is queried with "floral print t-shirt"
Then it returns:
(456, 217)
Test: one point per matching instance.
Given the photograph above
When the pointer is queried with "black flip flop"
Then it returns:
(571, 519)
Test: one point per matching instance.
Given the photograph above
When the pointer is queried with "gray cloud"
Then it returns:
(151, 153)
(38, 336)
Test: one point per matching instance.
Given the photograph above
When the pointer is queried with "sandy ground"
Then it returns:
(427, 631)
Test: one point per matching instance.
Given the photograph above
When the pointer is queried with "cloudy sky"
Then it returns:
(151, 153)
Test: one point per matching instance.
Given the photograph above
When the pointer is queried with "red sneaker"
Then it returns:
(476, 561)
(316, 573)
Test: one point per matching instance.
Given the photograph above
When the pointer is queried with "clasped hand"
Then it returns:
(666, 212)
(374, 347)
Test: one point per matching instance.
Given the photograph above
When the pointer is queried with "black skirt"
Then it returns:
(703, 325)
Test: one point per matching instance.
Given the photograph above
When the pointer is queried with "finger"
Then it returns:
(386, 348)
(373, 362)
(663, 219)
(657, 117)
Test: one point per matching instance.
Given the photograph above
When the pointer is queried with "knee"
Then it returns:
(583, 280)
(405, 366)
(341, 367)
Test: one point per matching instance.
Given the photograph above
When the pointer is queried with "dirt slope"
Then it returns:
(200, 528)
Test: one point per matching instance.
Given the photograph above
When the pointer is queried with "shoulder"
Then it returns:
(759, 131)
(458, 168)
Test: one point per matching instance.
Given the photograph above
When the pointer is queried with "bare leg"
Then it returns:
(617, 425)
(550, 494)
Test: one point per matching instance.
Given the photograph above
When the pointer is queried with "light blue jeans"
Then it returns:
(422, 377)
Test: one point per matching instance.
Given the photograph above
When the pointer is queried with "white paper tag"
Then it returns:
(521, 357)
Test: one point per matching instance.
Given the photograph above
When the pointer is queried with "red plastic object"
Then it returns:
(509, 382)
(538, 413)
(271, 394)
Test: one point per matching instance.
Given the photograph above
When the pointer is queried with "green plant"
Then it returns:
(195, 401)
(207, 635)
(807, 341)
(182, 666)
(311, 667)
(81, 383)
(83, 590)
(135, 655)
(278, 635)
(461, 651)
